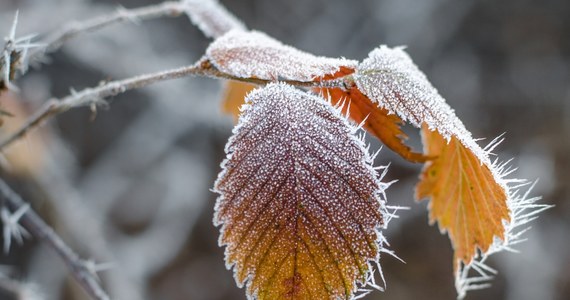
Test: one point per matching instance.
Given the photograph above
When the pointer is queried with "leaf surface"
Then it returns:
(299, 201)
(466, 199)
(377, 120)
(253, 54)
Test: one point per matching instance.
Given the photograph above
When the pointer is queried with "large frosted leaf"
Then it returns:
(300, 203)
(253, 54)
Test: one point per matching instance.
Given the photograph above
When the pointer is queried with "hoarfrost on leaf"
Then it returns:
(390, 77)
(300, 203)
(253, 54)
(471, 198)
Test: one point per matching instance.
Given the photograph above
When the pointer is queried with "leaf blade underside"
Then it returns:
(377, 120)
(300, 203)
(466, 199)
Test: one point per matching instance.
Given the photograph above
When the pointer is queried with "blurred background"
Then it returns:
(131, 184)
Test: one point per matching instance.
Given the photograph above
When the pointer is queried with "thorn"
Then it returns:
(12, 35)
(93, 268)
(12, 227)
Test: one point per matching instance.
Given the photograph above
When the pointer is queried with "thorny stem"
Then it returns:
(57, 39)
(95, 96)
(34, 224)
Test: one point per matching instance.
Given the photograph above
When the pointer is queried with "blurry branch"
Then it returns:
(84, 271)
(211, 17)
(93, 97)
(54, 41)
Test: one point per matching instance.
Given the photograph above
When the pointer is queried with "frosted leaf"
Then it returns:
(390, 77)
(300, 204)
(211, 17)
(248, 54)
(471, 198)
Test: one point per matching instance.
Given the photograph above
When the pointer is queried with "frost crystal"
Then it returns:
(390, 77)
(249, 54)
(300, 203)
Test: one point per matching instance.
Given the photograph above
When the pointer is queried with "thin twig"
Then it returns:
(211, 17)
(57, 39)
(95, 96)
(82, 270)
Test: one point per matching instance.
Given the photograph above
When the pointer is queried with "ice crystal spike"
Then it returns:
(300, 203)
(248, 54)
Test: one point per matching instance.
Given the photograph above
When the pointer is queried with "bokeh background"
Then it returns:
(131, 185)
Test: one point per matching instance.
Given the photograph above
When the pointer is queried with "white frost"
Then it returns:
(294, 159)
(212, 18)
(248, 54)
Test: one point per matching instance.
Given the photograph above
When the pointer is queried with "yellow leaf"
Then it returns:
(466, 199)
(26, 158)
(233, 97)
(377, 120)
(300, 203)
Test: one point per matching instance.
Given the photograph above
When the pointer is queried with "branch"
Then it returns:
(211, 17)
(93, 97)
(58, 38)
(82, 270)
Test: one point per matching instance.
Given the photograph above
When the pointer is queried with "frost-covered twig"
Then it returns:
(84, 271)
(211, 17)
(95, 96)
(55, 40)
(15, 50)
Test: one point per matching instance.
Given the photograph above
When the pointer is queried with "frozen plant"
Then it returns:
(301, 206)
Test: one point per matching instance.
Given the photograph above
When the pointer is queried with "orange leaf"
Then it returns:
(234, 97)
(466, 199)
(27, 158)
(377, 120)
(300, 203)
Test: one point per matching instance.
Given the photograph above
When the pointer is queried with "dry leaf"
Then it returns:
(253, 54)
(378, 121)
(25, 158)
(466, 199)
(233, 97)
(300, 203)
(390, 78)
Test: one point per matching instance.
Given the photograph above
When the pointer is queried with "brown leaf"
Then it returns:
(378, 121)
(466, 199)
(26, 158)
(300, 203)
(253, 54)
